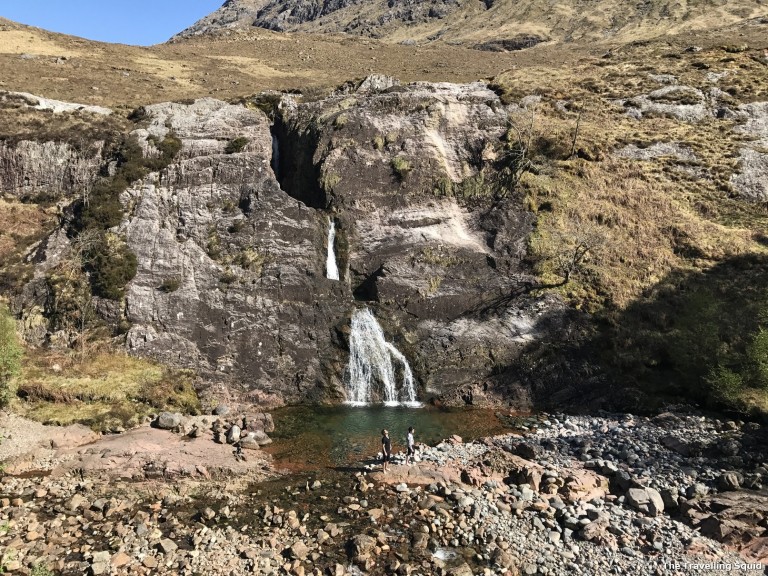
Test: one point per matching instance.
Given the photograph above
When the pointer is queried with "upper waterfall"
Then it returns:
(331, 269)
(371, 375)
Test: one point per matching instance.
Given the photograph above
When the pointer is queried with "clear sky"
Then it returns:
(141, 22)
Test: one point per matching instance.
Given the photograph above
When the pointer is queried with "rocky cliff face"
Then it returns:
(406, 172)
(47, 170)
(230, 278)
(231, 241)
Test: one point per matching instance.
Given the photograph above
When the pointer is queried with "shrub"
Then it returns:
(168, 147)
(138, 114)
(340, 121)
(236, 145)
(401, 166)
(10, 354)
(169, 285)
(228, 277)
(111, 265)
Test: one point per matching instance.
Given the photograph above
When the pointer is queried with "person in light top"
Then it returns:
(411, 447)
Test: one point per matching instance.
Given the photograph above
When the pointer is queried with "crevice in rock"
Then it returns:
(294, 165)
(367, 291)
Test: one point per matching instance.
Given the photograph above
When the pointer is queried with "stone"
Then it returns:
(100, 563)
(120, 559)
(77, 501)
(233, 434)
(647, 500)
(221, 410)
(360, 545)
(298, 550)
(255, 440)
(168, 420)
(419, 541)
(729, 481)
(167, 546)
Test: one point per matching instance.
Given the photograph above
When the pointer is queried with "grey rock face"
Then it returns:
(251, 300)
(47, 169)
(396, 168)
(750, 179)
(231, 278)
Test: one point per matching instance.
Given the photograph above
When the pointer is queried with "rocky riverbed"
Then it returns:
(609, 494)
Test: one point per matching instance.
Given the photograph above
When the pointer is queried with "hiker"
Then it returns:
(386, 448)
(411, 452)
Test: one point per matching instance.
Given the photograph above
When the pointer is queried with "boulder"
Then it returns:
(729, 481)
(255, 439)
(168, 420)
(646, 500)
(233, 434)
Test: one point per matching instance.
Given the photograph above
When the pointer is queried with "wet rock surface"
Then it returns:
(462, 508)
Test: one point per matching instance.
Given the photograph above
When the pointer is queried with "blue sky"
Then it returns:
(141, 22)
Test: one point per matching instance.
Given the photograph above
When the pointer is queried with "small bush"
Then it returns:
(171, 284)
(250, 259)
(138, 114)
(213, 247)
(401, 166)
(236, 145)
(228, 277)
(111, 265)
(340, 121)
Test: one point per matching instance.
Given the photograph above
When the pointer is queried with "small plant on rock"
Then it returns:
(236, 145)
(401, 166)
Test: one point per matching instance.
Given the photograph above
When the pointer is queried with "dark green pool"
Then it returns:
(311, 437)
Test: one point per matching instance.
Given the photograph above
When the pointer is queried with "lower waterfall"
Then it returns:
(377, 371)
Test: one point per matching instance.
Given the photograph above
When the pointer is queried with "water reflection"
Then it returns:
(309, 437)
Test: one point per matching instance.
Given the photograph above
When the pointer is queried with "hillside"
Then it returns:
(582, 186)
(509, 23)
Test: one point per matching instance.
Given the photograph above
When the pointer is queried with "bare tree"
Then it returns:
(572, 244)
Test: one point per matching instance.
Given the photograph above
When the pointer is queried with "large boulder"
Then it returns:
(168, 420)
(647, 500)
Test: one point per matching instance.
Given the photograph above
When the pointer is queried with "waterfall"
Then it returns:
(371, 375)
(331, 269)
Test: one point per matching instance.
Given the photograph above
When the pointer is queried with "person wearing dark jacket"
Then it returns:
(386, 449)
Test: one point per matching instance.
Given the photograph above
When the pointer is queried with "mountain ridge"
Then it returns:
(474, 21)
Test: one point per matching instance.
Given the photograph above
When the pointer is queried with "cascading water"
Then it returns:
(331, 269)
(371, 375)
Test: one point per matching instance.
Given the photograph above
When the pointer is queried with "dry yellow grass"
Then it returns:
(104, 389)
(19, 223)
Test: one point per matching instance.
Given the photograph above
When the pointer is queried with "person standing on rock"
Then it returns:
(411, 452)
(386, 449)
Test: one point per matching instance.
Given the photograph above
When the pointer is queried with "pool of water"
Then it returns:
(312, 437)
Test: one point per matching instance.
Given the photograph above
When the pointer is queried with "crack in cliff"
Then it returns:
(294, 150)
